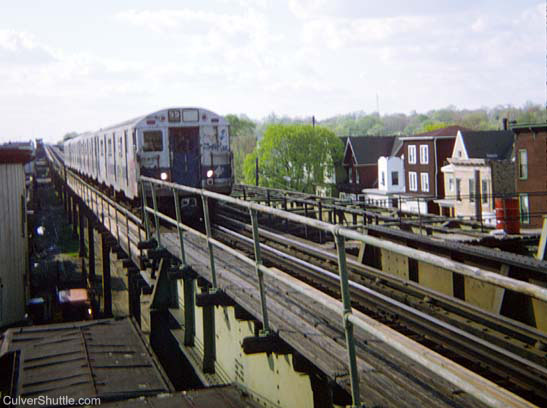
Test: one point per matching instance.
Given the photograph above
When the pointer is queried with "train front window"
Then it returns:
(153, 141)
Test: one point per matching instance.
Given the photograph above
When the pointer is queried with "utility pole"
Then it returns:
(256, 169)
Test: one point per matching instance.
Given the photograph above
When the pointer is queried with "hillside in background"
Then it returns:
(362, 123)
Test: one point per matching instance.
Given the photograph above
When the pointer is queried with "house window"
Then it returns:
(523, 164)
(524, 208)
(357, 178)
(424, 154)
(395, 178)
(413, 181)
(425, 181)
(383, 178)
(451, 184)
(458, 189)
(484, 192)
(350, 175)
(412, 154)
(471, 190)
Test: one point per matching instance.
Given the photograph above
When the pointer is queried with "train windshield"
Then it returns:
(152, 141)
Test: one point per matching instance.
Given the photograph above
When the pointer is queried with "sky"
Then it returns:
(70, 65)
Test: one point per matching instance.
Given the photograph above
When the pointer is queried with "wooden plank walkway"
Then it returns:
(386, 377)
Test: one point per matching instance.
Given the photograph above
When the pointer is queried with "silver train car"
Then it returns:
(188, 146)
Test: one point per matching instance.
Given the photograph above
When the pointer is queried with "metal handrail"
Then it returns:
(473, 384)
(493, 278)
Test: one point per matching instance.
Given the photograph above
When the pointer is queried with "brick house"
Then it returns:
(361, 160)
(488, 152)
(531, 172)
(424, 155)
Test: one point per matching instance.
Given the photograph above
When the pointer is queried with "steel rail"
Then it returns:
(401, 284)
(336, 230)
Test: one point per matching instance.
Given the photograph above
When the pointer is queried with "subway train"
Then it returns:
(188, 146)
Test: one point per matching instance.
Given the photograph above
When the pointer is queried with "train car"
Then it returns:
(187, 145)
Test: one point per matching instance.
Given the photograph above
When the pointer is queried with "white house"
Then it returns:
(391, 183)
(489, 153)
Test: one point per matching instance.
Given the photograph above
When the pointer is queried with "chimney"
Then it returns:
(504, 120)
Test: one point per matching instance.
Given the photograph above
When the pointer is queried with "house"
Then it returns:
(13, 234)
(361, 160)
(531, 172)
(489, 153)
(391, 183)
(424, 155)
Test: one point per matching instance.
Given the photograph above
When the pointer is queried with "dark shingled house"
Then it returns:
(361, 160)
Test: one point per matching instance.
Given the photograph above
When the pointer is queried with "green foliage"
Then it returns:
(363, 124)
(243, 141)
(431, 126)
(295, 157)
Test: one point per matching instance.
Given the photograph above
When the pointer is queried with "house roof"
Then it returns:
(368, 149)
(520, 127)
(488, 144)
(445, 131)
(396, 150)
(15, 153)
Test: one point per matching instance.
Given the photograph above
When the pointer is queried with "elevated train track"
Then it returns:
(507, 352)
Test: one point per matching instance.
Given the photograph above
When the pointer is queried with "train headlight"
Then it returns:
(163, 176)
(210, 173)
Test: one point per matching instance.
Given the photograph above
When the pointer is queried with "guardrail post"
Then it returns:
(348, 326)
(144, 212)
(258, 262)
(189, 282)
(209, 245)
(91, 248)
(107, 288)
(74, 217)
(179, 229)
(156, 218)
(128, 238)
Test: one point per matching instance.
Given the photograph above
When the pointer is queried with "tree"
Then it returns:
(295, 157)
(243, 134)
(430, 126)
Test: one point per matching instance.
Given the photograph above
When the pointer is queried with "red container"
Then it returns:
(508, 215)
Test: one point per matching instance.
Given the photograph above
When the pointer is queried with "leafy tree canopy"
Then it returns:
(295, 157)
(243, 141)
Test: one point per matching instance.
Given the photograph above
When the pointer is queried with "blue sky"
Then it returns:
(75, 65)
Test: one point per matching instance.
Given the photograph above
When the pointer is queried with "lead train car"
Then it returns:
(189, 146)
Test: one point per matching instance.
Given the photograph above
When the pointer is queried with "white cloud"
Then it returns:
(306, 8)
(307, 56)
(22, 48)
